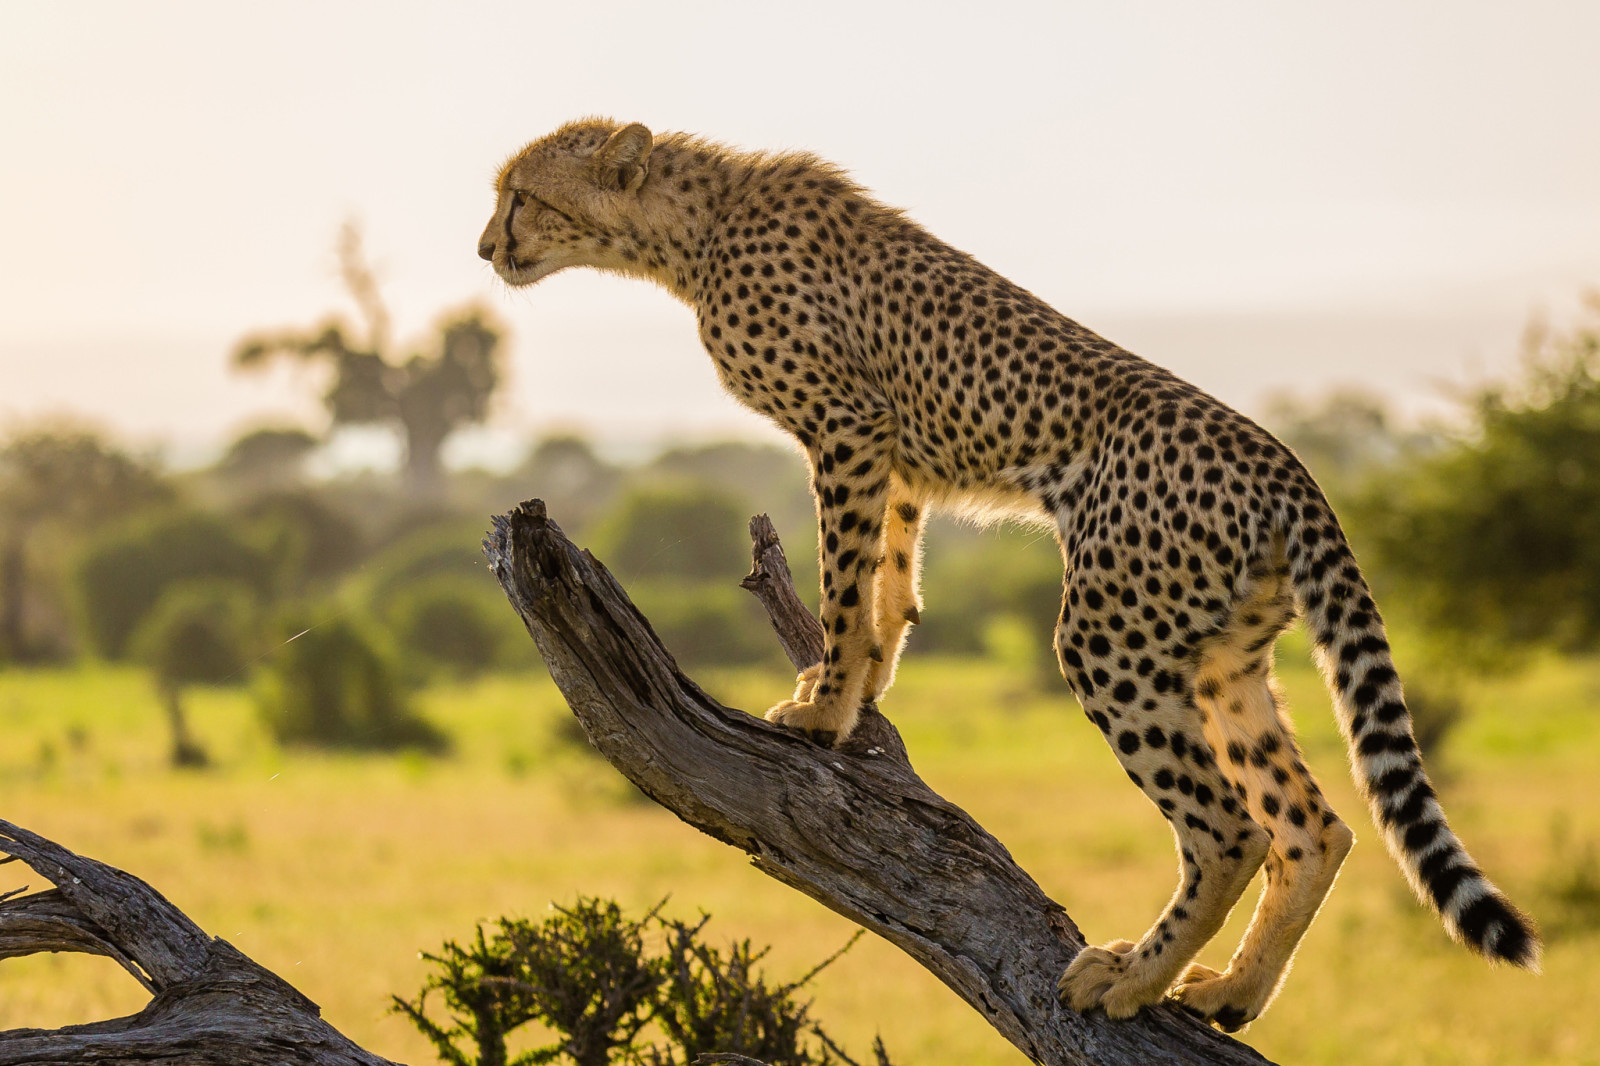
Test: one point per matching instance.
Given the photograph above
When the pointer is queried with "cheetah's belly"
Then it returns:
(1009, 493)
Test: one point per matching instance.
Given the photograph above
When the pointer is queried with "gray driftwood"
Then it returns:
(857, 830)
(211, 1005)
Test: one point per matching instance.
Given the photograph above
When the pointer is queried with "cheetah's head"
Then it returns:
(566, 200)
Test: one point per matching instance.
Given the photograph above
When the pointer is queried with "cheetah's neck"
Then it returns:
(697, 190)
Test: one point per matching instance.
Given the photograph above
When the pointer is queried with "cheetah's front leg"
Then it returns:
(850, 479)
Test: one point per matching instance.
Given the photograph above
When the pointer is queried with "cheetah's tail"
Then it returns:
(1353, 653)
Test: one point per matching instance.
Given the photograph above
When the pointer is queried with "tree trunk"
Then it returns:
(185, 752)
(425, 433)
(13, 596)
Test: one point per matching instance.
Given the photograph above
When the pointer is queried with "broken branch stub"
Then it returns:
(800, 636)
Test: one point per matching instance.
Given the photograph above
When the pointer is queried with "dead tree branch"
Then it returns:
(856, 830)
(212, 1005)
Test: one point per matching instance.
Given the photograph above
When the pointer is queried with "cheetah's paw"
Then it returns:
(1220, 998)
(814, 716)
(1093, 975)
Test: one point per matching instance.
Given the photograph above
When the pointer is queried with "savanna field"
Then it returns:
(271, 354)
(335, 870)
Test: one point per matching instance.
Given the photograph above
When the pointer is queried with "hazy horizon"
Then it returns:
(1262, 199)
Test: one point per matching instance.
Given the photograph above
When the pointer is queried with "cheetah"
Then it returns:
(913, 377)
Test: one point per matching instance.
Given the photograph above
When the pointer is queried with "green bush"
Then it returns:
(714, 1002)
(463, 627)
(122, 575)
(586, 975)
(329, 684)
(687, 531)
(308, 539)
(707, 624)
(449, 549)
(198, 633)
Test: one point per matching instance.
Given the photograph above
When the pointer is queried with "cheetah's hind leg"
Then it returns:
(1245, 725)
(1154, 729)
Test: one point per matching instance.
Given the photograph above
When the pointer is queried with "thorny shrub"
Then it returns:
(589, 976)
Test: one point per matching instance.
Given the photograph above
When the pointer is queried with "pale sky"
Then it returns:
(1260, 196)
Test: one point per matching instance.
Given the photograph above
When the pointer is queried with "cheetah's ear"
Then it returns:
(622, 162)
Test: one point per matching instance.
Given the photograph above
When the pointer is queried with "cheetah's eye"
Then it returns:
(528, 197)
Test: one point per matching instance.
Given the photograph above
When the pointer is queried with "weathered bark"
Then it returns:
(855, 829)
(212, 1005)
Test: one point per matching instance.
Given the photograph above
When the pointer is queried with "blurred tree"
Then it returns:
(307, 535)
(427, 396)
(685, 530)
(197, 634)
(706, 623)
(59, 476)
(447, 549)
(574, 482)
(122, 574)
(1344, 437)
(1496, 538)
(772, 479)
(328, 683)
(996, 593)
(271, 459)
(455, 624)
(682, 547)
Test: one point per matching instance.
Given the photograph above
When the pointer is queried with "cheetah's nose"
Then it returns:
(486, 250)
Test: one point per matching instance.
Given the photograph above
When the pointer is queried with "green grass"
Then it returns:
(335, 870)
